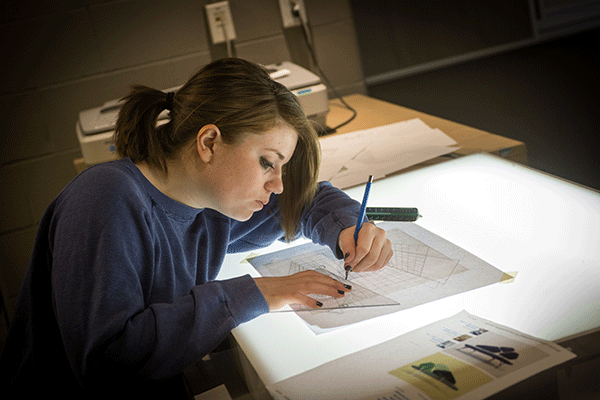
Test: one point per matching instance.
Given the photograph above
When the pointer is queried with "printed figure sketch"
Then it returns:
(424, 267)
(502, 354)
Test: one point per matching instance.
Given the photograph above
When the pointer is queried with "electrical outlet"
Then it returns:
(289, 19)
(220, 22)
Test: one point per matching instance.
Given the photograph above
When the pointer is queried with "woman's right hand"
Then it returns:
(296, 288)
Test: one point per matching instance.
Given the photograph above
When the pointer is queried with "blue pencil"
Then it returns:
(361, 216)
(363, 208)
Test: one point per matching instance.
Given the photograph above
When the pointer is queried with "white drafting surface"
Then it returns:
(461, 357)
(424, 268)
(380, 151)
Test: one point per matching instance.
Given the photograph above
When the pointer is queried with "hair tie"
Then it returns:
(169, 101)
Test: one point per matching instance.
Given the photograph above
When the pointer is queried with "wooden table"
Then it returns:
(372, 112)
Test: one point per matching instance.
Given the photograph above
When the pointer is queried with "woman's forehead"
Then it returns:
(281, 140)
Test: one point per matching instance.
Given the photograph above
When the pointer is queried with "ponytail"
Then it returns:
(137, 135)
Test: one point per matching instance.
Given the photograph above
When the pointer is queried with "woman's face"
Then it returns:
(245, 174)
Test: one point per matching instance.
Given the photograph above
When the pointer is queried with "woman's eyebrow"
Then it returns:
(281, 156)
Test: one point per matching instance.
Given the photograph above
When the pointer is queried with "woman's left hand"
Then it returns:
(372, 251)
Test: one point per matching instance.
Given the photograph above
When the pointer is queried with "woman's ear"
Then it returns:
(206, 139)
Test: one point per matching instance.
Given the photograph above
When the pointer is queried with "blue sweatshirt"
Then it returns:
(121, 283)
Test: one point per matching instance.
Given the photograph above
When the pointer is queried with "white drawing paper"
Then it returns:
(424, 267)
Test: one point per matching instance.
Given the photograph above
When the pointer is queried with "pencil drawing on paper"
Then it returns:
(424, 267)
(322, 261)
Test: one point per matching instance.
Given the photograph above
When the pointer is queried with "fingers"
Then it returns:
(374, 263)
(372, 251)
(313, 282)
(372, 255)
(297, 289)
(303, 284)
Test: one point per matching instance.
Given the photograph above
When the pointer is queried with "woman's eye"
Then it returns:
(266, 163)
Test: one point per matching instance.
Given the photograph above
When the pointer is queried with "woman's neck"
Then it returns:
(175, 183)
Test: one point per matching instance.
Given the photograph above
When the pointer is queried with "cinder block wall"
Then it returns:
(64, 57)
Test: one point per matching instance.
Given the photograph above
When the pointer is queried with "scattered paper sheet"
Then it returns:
(461, 357)
(424, 268)
(348, 158)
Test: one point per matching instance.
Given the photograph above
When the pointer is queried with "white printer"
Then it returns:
(95, 127)
(311, 93)
(95, 131)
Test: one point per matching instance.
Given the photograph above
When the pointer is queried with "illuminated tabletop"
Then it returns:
(511, 216)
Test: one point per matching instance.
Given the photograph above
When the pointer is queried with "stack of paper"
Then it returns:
(348, 158)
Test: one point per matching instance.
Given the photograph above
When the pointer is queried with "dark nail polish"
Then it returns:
(341, 292)
(348, 286)
(319, 304)
(348, 268)
(346, 255)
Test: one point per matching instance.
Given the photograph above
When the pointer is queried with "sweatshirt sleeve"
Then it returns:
(105, 284)
(330, 212)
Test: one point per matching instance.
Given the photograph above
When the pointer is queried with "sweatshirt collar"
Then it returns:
(166, 203)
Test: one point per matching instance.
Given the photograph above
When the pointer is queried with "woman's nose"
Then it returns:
(275, 185)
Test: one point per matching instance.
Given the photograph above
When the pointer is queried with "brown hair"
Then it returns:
(237, 96)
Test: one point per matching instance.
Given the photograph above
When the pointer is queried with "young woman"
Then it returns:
(121, 294)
